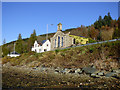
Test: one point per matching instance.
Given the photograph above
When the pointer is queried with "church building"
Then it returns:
(60, 39)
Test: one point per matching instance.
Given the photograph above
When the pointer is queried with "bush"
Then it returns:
(57, 50)
(91, 40)
(62, 54)
(31, 53)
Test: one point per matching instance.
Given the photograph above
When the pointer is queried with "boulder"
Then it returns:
(117, 71)
(89, 70)
(71, 71)
(110, 74)
(65, 71)
(101, 74)
(79, 71)
(56, 70)
(94, 75)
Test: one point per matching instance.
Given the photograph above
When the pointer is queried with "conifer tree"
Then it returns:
(19, 44)
(4, 48)
(4, 41)
(107, 19)
(31, 40)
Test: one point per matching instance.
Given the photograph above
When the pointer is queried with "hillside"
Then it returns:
(103, 29)
(55, 69)
(103, 56)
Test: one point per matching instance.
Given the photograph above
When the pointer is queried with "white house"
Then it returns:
(43, 46)
(13, 54)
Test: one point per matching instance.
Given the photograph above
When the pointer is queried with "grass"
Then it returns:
(100, 55)
(73, 57)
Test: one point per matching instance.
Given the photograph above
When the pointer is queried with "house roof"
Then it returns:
(43, 41)
(14, 52)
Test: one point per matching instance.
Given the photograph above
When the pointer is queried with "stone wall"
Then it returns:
(67, 40)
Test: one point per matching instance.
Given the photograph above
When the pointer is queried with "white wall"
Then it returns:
(13, 55)
(46, 46)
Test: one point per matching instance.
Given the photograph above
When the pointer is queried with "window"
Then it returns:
(58, 41)
(59, 27)
(45, 50)
(35, 45)
(35, 50)
(55, 42)
(39, 50)
(74, 41)
(62, 41)
(47, 44)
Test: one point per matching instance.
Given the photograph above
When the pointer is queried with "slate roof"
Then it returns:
(41, 42)
(14, 52)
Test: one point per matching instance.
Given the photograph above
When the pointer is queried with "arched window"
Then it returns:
(58, 41)
(62, 41)
(55, 43)
(74, 41)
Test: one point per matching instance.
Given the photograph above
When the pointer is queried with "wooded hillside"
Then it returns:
(103, 29)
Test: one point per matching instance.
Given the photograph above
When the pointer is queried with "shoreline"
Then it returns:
(26, 77)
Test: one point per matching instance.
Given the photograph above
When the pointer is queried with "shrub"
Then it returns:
(62, 54)
(91, 40)
(57, 50)
(31, 53)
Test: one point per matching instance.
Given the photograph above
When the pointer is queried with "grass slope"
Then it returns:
(103, 56)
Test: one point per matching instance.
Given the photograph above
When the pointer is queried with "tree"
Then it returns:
(107, 19)
(4, 41)
(31, 40)
(117, 29)
(93, 32)
(5, 50)
(19, 44)
(19, 37)
(107, 34)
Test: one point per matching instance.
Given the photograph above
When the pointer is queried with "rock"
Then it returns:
(117, 71)
(56, 70)
(7, 64)
(110, 74)
(79, 71)
(101, 74)
(63, 82)
(116, 76)
(94, 75)
(89, 70)
(72, 71)
(65, 71)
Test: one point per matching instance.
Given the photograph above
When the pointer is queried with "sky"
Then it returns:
(24, 17)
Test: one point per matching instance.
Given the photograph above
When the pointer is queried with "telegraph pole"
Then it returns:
(14, 47)
(47, 32)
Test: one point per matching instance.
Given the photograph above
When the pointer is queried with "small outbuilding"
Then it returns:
(13, 54)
